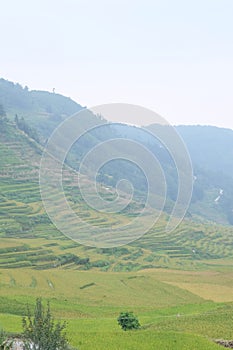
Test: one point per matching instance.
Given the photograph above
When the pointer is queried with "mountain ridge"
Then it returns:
(210, 149)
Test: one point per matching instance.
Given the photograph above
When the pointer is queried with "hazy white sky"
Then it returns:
(173, 56)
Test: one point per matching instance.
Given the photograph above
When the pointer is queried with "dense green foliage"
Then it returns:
(41, 332)
(2, 336)
(22, 125)
(128, 321)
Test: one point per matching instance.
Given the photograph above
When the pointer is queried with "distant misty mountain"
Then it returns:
(211, 150)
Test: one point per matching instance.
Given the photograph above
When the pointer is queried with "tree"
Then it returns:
(2, 336)
(3, 117)
(127, 321)
(2, 111)
(22, 125)
(17, 120)
(41, 332)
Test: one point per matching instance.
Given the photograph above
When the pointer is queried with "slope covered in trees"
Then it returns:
(38, 113)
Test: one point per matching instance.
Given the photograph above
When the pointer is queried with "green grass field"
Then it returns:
(171, 316)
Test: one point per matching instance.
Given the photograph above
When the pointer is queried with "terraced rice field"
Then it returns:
(22, 216)
(30, 239)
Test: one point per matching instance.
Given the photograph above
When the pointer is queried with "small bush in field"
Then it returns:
(127, 321)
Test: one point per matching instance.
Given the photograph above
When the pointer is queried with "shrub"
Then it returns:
(2, 336)
(41, 332)
(128, 321)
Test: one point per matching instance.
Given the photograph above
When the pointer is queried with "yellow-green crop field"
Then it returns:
(177, 309)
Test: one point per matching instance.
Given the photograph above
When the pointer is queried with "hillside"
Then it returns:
(178, 283)
(210, 149)
(40, 112)
(28, 238)
(43, 110)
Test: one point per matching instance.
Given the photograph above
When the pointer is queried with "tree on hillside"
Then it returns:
(3, 117)
(22, 125)
(41, 332)
(2, 111)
